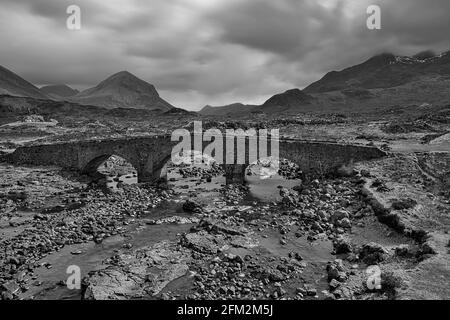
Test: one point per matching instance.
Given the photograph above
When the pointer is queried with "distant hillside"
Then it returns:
(14, 108)
(14, 85)
(235, 108)
(277, 103)
(59, 91)
(380, 83)
(123, 90)
(384, 71)
(286, 100)
(180, 112)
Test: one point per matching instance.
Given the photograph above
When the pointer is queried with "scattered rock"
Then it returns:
(336, 271)
(334, 284)
(142, 273)
(342, 246)
(192, 206)
(372, 253)
(203, 242)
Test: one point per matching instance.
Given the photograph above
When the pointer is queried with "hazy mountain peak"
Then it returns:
(289, 98)
(59, 90)
(124, 73)
(14, 85)
(425, 55)
(234, 108)
(123, 90)
(124, 76)
(385, 70)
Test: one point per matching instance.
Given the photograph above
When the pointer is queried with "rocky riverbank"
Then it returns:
(42, 212)
(311, 245)
(320, 241)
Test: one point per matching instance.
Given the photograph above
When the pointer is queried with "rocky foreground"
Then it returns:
(317, 242)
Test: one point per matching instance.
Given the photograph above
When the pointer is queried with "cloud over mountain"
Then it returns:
(202, 52)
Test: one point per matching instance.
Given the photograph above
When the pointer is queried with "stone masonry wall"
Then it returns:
(149, 154)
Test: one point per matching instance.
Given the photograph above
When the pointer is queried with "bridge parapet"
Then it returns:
(149, 155)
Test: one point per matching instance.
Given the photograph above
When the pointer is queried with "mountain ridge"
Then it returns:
(14, 85)
(385, 70)
(123, 90)
(227, 109)
(59, 91)
(381, 79)
(371, 82)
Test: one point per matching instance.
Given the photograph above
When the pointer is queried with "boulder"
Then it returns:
(192, 206)
(336, 271)
(203, 242)
(373, 253)
(140, 274)
(342, 246)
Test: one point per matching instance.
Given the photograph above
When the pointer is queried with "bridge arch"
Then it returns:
(149, 154)
(92, 167)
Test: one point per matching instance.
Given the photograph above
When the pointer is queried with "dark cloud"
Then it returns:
(283, 27)
(200, 52)
(419, 23)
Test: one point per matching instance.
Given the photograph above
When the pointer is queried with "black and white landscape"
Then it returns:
(93, 206)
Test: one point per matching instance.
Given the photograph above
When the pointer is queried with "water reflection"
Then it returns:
(268, 190)
(113, 183)
(264, 180)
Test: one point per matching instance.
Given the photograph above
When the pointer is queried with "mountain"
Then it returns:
(286, 100)
(280, 102)
(13, 108)
(234, 108)
(384, 71)
(12, 84)
(59, 91)
(123, 90)
(382, 82)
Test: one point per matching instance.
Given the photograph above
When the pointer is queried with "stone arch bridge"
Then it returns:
(149, 154)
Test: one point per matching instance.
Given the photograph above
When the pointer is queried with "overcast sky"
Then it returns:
(199, 52)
